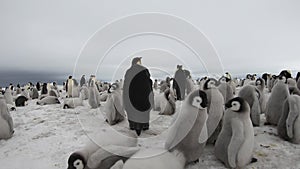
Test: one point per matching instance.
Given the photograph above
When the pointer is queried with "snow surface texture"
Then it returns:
(45, 136)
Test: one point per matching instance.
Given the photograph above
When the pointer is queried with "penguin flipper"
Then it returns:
(6, 116)
(214, 117)
(236, 141)
(293, 114)
(119, 152)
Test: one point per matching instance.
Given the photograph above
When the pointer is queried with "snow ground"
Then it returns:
(45, 136)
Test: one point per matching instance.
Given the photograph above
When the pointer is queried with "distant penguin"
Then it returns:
(235, 144)
(188, 134)
(44, 89)
(69, 86)
(104, 152)
(155, 84)
(261, 85)
(275, 103)
(72, 102)
(8, 96)
(38, 86)
(292, 84)
(288, 126)
(53, 92)
(113, 107)
(93, 96)
(20, 101)
(252, 95)
(215, 109)
(84, 92)
(25, 92)
(226, 90)
(48, 100)
(34, 93)
(6, 122)
(165, 102)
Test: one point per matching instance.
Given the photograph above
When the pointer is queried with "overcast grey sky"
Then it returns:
(48, 35)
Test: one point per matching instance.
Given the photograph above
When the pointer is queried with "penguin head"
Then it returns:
(76, 161)
(57, 101)
(259, 82)
(282, 78)
(236, 104)
(210, 83)
(198, 99)
(113, 87)
(66, 106)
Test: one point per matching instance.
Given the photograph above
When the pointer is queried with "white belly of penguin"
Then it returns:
(245, 153)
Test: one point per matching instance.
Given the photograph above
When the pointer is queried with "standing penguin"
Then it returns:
(275, 103)
(44, 89)
(215, 109)
(179, 83)
(6, 122)
(261, 85)
(188, 134)
(93, 95)
(8, 96)
(82, 80)
(69, 86)
(34, 94)
(289, 124)
(225, 89)
(165, 102)
(84, 92)
(234, 146)
(113, 108)
(251, 94)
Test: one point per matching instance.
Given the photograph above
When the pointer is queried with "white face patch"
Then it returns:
(235, 106)
(211, 84)
(258, 82)
(197, 102)
(223, 80)
(283, 79)
(78, 164)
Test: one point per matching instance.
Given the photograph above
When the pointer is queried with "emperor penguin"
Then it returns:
(34, 94)
(275, 103)
(261, 85)
(288, 126)
(8, 96)
(165, 102)
(21, 101)
(234, 146)
(6, 122)
(84, 92)
(298, 83)
(292, 84)
(94, 101)
(185, 140)
(215, 109)
(48, 100)
(188, 134)
(252, 95)
(53, 92)
(226, 90)
(72, 102)
(104, 151)
(113, 107)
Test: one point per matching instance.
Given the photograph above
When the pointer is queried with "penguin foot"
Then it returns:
(267, 123)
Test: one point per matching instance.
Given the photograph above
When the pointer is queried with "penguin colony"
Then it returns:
(219, 112)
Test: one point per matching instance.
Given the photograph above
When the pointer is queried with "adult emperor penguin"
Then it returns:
(93, 95)
(252, 95)
(6, 122)
(113, 107)
(104, 151)
(235, 143)
(48, 100)
(288, 126)
(275, 103)
(188, 134)
(215, 109)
